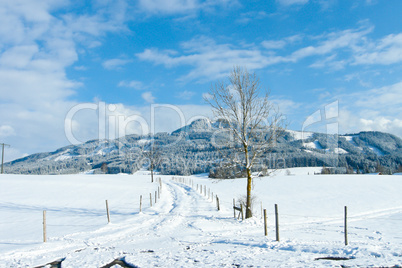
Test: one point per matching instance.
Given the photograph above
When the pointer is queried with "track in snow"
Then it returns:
(185, 229)
(180, 220)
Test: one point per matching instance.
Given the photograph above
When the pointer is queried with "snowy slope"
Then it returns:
(185, 229)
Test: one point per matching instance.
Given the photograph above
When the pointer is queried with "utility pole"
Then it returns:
(2, 156)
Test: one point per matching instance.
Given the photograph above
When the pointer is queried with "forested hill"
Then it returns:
(195, 149)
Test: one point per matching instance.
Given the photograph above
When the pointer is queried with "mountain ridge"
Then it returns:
(191, 149)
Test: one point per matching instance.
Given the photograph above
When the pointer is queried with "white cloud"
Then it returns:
(148, 97)
(115, 64)
(280, 44)
(206, 96)
(347, 39)
(286, 106)
(174, 6)
(386, 51)
(180, 6)
(251, 16)
(6, 130)
(186, 95)
(292, 2)
(209, 60)
(36, 47)
(271, 44)
(377, 109)
(330, 62)
(138, 85)
(350, 122)
(387, 99)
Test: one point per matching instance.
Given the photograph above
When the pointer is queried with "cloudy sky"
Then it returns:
(75, 70)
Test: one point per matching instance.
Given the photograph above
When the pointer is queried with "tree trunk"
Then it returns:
(152, 172)
(248, 204)
(249, 181)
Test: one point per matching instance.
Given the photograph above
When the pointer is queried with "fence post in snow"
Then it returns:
(277, 222)
(44, 226)
(265, 223)
(156, 196)
(140, 203)
(217, 203)
(346, 226)
(159, 193)
(241, 212)
(234, 208)
(107, 212)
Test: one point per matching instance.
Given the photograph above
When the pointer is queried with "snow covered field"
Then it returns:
(185, 229)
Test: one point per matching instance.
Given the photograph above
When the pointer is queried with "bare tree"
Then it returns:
(152, 153)
(252, 119)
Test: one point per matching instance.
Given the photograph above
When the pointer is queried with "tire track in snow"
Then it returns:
(180, 219)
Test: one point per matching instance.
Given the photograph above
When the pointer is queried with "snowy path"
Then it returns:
(184, 229)
(167, 234)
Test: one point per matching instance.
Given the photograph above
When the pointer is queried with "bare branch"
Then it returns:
(249, 117)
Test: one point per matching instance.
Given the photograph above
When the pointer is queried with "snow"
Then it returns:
(185, 229)
(317, 145)
(349, 138)
(340, 151)
(375, 150)
(312, 145)
(351, 141)
(143, 141)
(300, 135)
(63, 157)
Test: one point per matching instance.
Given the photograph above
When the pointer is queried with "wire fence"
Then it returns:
(285, 219)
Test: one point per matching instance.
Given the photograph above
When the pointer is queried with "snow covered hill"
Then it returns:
(193, 149)
(185, 229)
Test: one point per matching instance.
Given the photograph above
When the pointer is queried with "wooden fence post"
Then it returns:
(346, 225)
(140, 203)
(159, 193)
(156, 196)
(44, 226)
(265, 223)
(107, 212)
(234, 208)
(277, 222)
(217, 203)
(241, 212)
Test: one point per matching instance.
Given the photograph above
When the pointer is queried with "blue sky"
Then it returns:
(148, 63)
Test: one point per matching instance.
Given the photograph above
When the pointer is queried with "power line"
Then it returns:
(2, 156)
